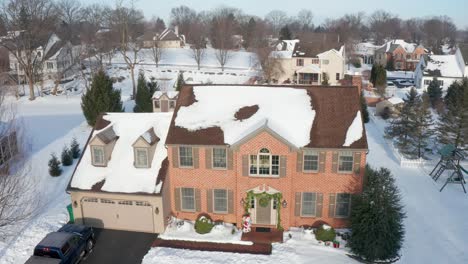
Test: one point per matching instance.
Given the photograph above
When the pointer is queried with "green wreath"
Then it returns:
(264, 200)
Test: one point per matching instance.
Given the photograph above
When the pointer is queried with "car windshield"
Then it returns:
(46, 252)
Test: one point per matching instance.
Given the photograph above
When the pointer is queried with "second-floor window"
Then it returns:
(300, 62)
(315, 61)
(98, 155)
(141, 158)
(345, 162)
(219, 158)
(325, 62)
(311, 162)
(264, 164)
(186, 156)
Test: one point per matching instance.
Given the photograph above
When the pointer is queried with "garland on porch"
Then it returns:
(264, 199)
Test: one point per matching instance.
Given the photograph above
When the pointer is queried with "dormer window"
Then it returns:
(98, 156)
(141, 158)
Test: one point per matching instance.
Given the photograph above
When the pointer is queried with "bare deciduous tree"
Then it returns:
(277, 19)
(184, 17)
(270, 63)
(305, 17)
(156, 51)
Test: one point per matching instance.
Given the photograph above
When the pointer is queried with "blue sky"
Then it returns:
(456, 9)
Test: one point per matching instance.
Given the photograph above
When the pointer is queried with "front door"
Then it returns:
(263, 213)
(164, 106)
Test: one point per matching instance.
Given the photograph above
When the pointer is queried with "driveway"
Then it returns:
(114, 246)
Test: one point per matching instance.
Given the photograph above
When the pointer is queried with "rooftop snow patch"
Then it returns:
(444, 65)
(274, 110)
(120, 175)
(355, 131)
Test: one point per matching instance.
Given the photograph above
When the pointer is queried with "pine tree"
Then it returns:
(75, 149)
(420, 127)
(364, 111)
(66, 157)
(100, 98)
(325, 79)
(434, 91)
(373, 74)
(54, 166)
(377, 218)
(180, 82)
(399, 129)
(143, 98)
(380, 80)
(453, 122)
(285, 33)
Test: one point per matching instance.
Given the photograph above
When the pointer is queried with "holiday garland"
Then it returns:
(264, 199)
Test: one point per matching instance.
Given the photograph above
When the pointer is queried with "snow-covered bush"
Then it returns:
(325, 233)
(66, 157)
(203, 225)
(54, 166)
(75, 149)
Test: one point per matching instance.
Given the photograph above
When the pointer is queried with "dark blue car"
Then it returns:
(66, 246)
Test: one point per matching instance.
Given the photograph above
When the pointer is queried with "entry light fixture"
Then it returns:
(284, 203)
(242, 201)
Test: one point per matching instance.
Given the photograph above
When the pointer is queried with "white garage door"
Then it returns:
(118, 214)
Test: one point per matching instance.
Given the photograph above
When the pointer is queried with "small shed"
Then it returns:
(393, 104)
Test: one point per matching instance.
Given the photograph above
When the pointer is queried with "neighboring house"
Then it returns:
(405, 55)
(4, 60)
(8, 145)
(446, 68)
(307, 63)
(119, 181)
(164, 101)
(55, 59)
(365, 51)
(232, 148)
(170, 38)
(393, 104)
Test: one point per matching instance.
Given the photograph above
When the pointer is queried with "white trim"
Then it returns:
(136, 149)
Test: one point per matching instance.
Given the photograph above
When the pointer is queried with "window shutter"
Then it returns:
(245, 165)
(297, 208)
(195, 158)
(335, 162)
(208, 155)
(322, 158)
(209, 200)
(177, 198)
(319, 205)
(283, 166)
(230, 202)
(175, 157)
(197, 200)
(229, 159)
(331, 205)
(299, 161)
(357, 163)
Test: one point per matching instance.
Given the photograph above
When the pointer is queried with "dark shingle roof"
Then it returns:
(335, 106)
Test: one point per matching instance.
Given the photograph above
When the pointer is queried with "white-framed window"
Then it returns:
(343, 203)
(219, 158)
(308, 204)
(441, 82)
(157, 104)
(325, 62)
(427, 82)
(315, 61)
(98, 155)
(220, 201)
(264, 164)
(185, 156)
(345, 161)
(337, 76)
(187, 197)
(299, 62)
(141, 158)
(311, 161)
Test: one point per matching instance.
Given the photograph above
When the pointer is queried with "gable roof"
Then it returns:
(120, 174)
(392, 45)
(313, 49)
(169, 94)
(168, 35)
(444, 66)
(324, 115)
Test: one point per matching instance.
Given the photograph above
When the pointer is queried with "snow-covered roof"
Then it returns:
(390, 46)
(120, 174)
(170, 94)
(294, 128)
(355, 130)
(395, 100)
(444, 66)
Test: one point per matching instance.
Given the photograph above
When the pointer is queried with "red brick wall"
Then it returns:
(293, 182)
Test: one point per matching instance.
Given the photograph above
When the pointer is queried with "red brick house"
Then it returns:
(405, 56)
(289, 156)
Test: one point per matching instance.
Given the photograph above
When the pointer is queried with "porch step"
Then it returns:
(263, 237)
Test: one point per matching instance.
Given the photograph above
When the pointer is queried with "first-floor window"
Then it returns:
(345, 162)
(220, 200)
(187, 196)
(98, 155)
(337, 76)
(427, 82)
(308, 204)
(343, 201)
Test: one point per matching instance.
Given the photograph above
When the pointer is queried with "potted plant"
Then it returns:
(336, 244)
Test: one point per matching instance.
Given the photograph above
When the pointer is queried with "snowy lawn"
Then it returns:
(221, 233)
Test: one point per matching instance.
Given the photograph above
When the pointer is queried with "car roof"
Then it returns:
(69, 228)
(55, 239)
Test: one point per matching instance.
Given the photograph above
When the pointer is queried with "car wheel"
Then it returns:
(89, 245)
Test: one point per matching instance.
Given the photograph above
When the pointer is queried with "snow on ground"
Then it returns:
(221, 233)
(272, 110)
